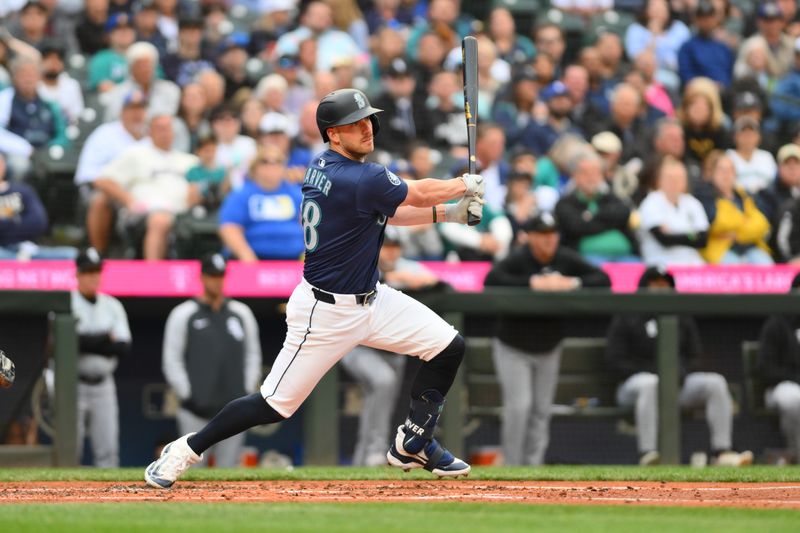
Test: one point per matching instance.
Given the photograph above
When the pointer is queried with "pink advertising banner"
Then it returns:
(276, 279)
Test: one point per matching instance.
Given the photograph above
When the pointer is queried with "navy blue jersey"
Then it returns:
(345, 207)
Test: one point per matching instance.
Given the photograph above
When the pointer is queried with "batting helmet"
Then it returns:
(345, 106)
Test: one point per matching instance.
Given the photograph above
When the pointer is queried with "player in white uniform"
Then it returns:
(339, 304)
(103, 337)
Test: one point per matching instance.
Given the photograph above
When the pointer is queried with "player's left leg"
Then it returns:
(400, 324)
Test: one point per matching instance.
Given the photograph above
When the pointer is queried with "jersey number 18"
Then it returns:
(312, 216)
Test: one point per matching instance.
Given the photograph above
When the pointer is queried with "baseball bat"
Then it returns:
(469, 56)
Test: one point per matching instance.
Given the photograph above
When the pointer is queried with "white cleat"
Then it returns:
(176, 458)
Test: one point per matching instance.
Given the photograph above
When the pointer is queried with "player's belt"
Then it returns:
(365, 298)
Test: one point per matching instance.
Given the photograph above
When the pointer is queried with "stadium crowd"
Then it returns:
(661, 131)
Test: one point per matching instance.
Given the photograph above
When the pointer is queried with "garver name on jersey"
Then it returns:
(317, 179)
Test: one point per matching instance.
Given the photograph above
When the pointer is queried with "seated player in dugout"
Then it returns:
(339, 303)
(631, 352)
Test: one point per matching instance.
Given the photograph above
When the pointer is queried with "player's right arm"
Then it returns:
(430, 192)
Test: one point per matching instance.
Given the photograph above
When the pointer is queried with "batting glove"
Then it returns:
(460, 211)
(474, 184)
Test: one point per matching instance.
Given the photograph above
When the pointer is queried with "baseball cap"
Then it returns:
(541, 223)
(270, 6)
(769, 10)
(556, 88)
(398, 68)
(213, 265)
(190, 21)
(788, 151)
(516, 175)
(89, 260)
(743, 123)
(52, 46)
(746, 100)
(654, 273)
(273, 122)
(118, 20)
(288, 61)
(607, 143)
(143, 5)
(233, 41)
(704, 8)
(526, 73)
(134, 98)
(223, 111)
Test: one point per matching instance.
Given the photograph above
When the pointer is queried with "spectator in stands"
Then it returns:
(490, 145)
(308, 141)
(276, 17)
(753, 65)
(585, 9)
(612, 57)
(146, 17)
(109, 66)
(389, 14)
(191, 122)
(443, 19)
(738, 230)
(348, 18)
(785, 98)
(520, 202)
(594, 221)
(549, 41)
(755, 168)
(626, 122)
(316, 21)
(527, 350)
(90, 31)
(622, 180)
(33, 21)
(515, 113)
(232, 64)
(668, 140)
(750, 104)
(673, 224)
(235, 152)
(380, 373)
(211, 354)
(704, 55)
(23, 220)
(274, 130)
(538, 136)
(404, 115)
(271, 91)
(148, 182)
(58, 86)
(214, 86)
(297, 94)
(251, 114)
(776, 198)
(655, 95)
(104, 145)
(26, 114)
(779, 369)
(702, 119)
(262, 219)
(432, 51)
(512, 48)
(163, 96)
(209, 176)
(168, 21)
(183, 65)
(631, 351)
(587, 110)
(779, 46)
(657, 31)
(444, 113)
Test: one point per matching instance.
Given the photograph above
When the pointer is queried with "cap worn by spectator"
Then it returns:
(51, 46)
(743, 123)
(273, 122)
(746, 100)
(526, 73)
(606, 142)
(135, 99)
(190, 22)
(288, 61)
(541, 223)
(769, 11)
(271, 6)
(704, 9)
(223, 112)
(655, 273)
(144, 5)
(398, 68)
(213, 265)
(34, 4)
(553, 90)
(118, 20)
(232, 42)
(788, 151)
(89, 260)
(519, 176)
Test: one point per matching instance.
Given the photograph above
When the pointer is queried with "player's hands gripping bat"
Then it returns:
(468, 206)
(469, 56)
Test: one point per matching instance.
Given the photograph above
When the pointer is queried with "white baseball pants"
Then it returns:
(785, 397)
(320, 333)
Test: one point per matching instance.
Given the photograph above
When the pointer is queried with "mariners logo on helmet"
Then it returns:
(342, 107)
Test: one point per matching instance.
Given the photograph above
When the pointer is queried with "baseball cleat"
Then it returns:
(176, 458)
(432, 456)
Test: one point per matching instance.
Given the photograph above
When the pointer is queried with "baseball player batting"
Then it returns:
(339, 304)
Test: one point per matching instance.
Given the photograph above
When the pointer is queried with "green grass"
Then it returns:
(385, 518)
(752, 474)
